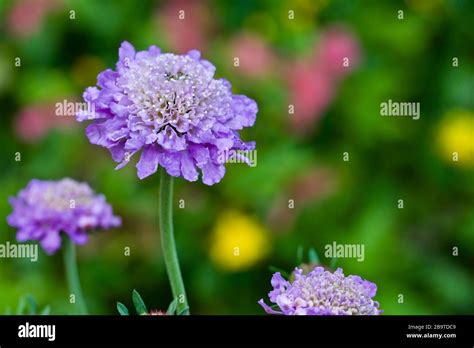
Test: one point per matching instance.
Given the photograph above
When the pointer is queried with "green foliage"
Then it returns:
(138, 303)
(122, 309)
(172, 307)
(27, 305)
(141, 308)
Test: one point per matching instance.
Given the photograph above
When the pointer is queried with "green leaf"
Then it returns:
(299, 255)
(183, 310)
(313, 256)
(333, 263)
(172, 307)
(46, 310)
(20, 310)
(31, 304)
(139, 304)
(122, 309)
(8, 311)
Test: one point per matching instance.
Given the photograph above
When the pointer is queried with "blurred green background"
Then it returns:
(318, 71)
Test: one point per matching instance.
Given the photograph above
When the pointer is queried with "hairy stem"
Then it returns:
(168, 243)
(72, 275)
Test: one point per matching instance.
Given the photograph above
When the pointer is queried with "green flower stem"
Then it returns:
(72, 274)
(168, 243)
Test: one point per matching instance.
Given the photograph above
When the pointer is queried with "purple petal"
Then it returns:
(245, 110)
(199, 153)
(106, 79)
(79, 237)
(117, 152)
(126, 50)
(170, 140)
(148, 163)
(171, 162)
(154, 51)
(96, 133)
(51, 242)
(194, 54)
(212, 173)
(279, 286)
(188, 168)
(267, 308)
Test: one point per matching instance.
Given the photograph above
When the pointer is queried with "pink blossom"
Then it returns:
(311, 91)
(34, 121)
(255, 57)
(27, 15)
(186, 24)
(338, 51)
(313, 81)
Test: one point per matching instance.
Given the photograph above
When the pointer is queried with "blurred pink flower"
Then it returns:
(34, 121)
(26, 16)
(190, 32)
(255, 56)
(313, 81)
(335, 46)
(311, 91)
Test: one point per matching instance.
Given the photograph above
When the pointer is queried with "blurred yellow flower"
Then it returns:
(238, 241)
(456, 137)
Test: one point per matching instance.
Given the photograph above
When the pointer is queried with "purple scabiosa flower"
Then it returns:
(321, 292)
(171, 109)
(44, 209)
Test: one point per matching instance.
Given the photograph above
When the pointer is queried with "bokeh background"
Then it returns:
(283, 63)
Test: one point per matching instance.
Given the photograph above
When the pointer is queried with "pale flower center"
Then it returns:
(163, 95)
(63, 196)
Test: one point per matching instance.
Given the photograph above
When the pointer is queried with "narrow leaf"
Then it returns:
(299, 255)
(20, 310)
(122, 309)
(172, 307)
(333, 263)
(313, 256)
(32, 305)
(183, 310)
(46, 310)
(138, 303)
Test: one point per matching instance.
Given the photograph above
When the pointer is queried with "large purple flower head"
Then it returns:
(321, 292)
(171, 109)
(45, 208)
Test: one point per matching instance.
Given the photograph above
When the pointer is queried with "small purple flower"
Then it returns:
(45, 208)
(171, 109)
(322, 293)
